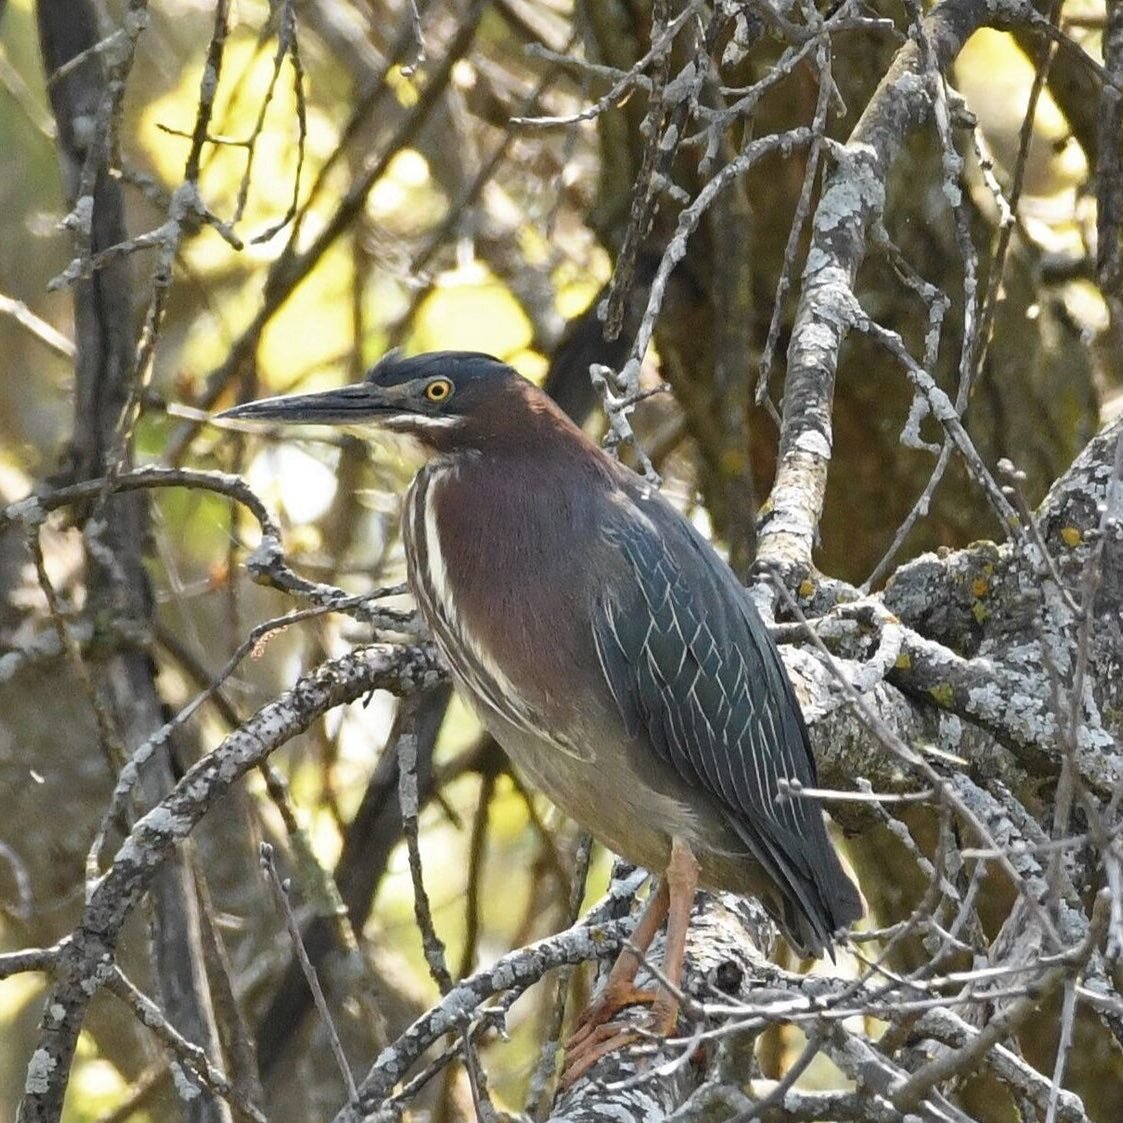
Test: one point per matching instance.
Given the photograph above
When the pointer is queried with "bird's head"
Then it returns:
(448, 400)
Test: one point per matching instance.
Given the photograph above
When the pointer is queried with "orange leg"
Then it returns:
(620, 990)
(596, 1037)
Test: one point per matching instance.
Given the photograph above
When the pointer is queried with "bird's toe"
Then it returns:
(597, 1043)
(605, 1008)
(596, 1039)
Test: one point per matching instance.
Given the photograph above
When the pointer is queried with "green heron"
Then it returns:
(610, 651)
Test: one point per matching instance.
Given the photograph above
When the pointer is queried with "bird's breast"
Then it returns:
(480, 587)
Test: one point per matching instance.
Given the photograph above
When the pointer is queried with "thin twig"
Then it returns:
(407, 797)
(281, 897)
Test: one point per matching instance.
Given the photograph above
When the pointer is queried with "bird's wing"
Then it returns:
(694, 673)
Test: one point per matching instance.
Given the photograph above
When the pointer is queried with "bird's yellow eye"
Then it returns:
(438, 390)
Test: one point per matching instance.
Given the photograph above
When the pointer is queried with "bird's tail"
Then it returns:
(835, 905)
(812, 899)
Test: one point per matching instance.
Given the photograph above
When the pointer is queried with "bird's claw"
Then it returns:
(596, 1037)
(604, 1009)
(596, 1043)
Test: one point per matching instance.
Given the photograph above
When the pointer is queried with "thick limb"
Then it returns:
(597, 1038)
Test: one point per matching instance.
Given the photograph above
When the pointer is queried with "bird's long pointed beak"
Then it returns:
(347, 405)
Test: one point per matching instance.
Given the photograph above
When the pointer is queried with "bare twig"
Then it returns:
(281, 897)
(407, 797)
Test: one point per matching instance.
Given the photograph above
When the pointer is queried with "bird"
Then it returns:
(611, 652)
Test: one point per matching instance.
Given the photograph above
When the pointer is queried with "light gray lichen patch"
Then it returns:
(39, 1070)
(814, 442)
(162, 820)
(1016, 707)
(855, 190)
(185, 1087)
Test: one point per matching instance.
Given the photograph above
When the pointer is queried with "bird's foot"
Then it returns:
(597, 1044)
(595, 1040)
(601, 1012)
